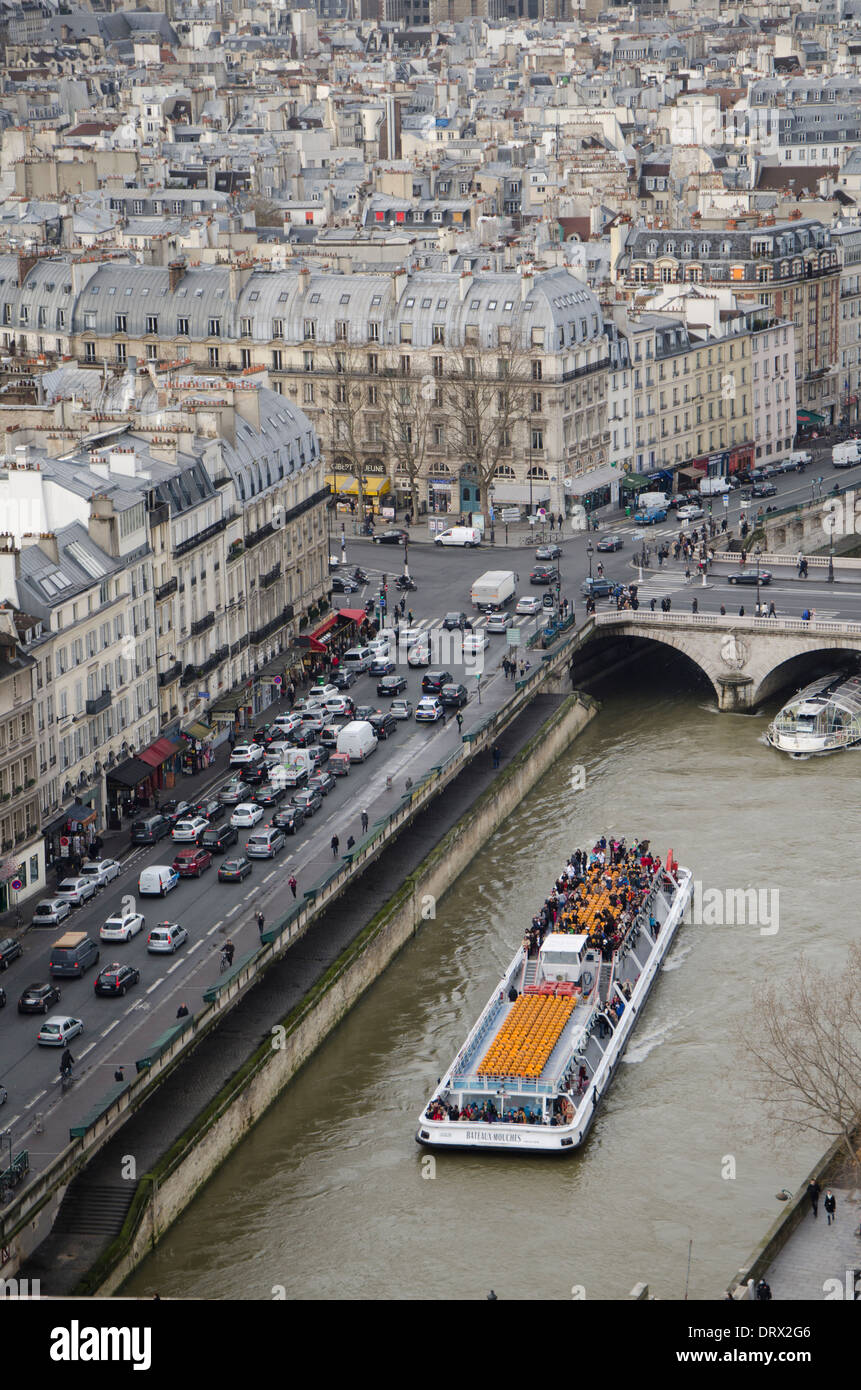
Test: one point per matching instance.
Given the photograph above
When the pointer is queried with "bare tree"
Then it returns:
(407, 423)
(807, 1044)
(487, 392)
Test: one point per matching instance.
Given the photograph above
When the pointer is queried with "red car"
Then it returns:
(190, 863)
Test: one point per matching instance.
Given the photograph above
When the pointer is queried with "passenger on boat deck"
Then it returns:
(626, 989)
(582, 1081)
(619, 1007)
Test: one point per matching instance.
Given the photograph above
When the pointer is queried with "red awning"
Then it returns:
(159, 752)
(353, 615)
(325, 627)
(311, 643)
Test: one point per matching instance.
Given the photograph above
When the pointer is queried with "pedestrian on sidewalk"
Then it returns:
(118, 1074)
(292, 885)
(459, 718)
(694, 606)
(364, 822)
(182, 1011)
(260, 920)
(336, 844)
(830, 1205)
(350, 844)
(813, 1191)
(688, 575)
(497, 755)
(772, 611)
(741, 611)
(723, 611)
(763, 1292)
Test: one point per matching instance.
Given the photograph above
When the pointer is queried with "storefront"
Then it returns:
(79, 821)
(165, 758)
(375, 488)
(130, 789)
(323, 647)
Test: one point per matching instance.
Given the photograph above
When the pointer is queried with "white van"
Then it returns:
(845, 454)
(358, 740)
(357, 659)
(651, 501)
(711, 487)
(458, 535)
(157, 880)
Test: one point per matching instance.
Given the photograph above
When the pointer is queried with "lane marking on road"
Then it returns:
(268, 876)
(86, 1050)
(34, 1100)
(175, 966)
(215, 928)
(110, 1028)
(196, 947)
(10, 1123)
(232, 910)
(155, 985)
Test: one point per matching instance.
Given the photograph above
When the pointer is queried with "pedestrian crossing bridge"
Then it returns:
(746, 659)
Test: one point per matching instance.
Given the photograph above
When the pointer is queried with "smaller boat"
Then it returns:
(822, 718)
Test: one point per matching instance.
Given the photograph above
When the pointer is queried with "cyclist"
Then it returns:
(66, 1062)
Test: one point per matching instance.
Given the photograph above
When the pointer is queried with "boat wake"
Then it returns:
(678, 957)
(647, 1042)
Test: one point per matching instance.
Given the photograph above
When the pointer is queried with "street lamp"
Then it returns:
(758, 553)
(831, 559)
(590, 550)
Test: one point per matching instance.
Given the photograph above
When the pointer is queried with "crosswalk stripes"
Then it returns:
(429, 624)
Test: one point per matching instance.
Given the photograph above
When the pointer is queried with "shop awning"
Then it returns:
(80, 815)
(632, 481)
(160, 751)
(810, 417)
(226, 708)
(347, 485)
(324, 627)
(198, 731)
(129, 773)
(311, 643)
(353, 615)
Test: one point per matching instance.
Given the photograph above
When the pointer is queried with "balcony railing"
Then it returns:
(171, 674)
(202, 536)
(270, 577)
(261, 633)
(99, 703)
(202, 624)
(165, 590)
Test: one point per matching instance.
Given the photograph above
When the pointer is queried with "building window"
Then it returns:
(89, 352)
(537, 371)
(537, 439)
(182, 328)
(244, 328)
(214, 329)
(244, 358)
(277, 328)
(120, 322)
(152, 323)
(276, 360)
(121, 353)
(341, 330)
(309, 330)
(438, 334)
(213, 357)
(308, 393)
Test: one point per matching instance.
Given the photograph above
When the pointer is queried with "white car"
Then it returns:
(428, 710)
(287, 723)
(498, 622)
(419, 654)
(245, 754)
(50, 912)
(339, 707)
(408, 636)
(189, 831)
(166, 938)
(474, 642)
(690, 513)
(528, 604)
(317, 695)
(59, 1029)
(75, 891)
(246, 814)
(101, 871)
(381, 646)
(122, 926)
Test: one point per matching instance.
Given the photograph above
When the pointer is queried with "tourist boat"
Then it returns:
(536, 1059)
(822, 718)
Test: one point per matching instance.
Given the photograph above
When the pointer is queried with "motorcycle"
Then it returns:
(404, 581)
(359, 576)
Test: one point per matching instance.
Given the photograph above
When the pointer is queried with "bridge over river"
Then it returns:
(746, 659)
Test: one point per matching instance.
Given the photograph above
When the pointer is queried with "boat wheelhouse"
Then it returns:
(822, 718)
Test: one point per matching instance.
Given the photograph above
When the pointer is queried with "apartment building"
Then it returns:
(848, 241)
(22, 859)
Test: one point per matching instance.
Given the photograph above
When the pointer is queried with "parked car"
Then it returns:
(749, 577)
(383, 726)
(499, 622)
(234, 870)
(264, 844)
(308, 801)
(50, 912)
(76, 891)
(391, 685)
(235, 791)
(218, 838)
(101, 871)
(58, 1030)
(246, 815)
(116, 979)
(246, 754)
(453, 620)
(548, 552)
(38, 998)
(189, 831)
(191, 863)
(166, 938)
(10, 949)
(433, 681)
(289, 819)
(454, 695)
(401, 709)
(607, 545)
(528, 604)
(122, 926)
(428, 710)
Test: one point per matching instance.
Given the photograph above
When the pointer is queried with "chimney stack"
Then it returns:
(175, 271)
(26, 261)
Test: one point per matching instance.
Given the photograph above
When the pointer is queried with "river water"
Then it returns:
(331, 1198)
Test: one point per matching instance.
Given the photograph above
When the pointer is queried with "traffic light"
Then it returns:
(384, 585)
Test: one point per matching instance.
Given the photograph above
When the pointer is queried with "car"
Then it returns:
(166, 938)
(256, 776)
(789, 465)
(391, 685)
(58, 1030)
(210, 808)
(176, 810)
(428, 710)
(597, 588)
(122, 926)
(318, 755)
(191, 863)
(383, 726)
(246, 814)
(381, 646)
(322, 782)
(340, 585)
(691, 512)
(328, 735)
(749, 577)
(433, 681)
(475, 642)
(50, 912)
(544, 574)
(76, 891)
(454, 695)
(268, 796)
(285, 722)
(344, 679)
(608, 545)
(650, 517)
(340, 706)
(234, 791)
(246, 754)
(289, 819)
(339, 765)
(453, 620)
(308, 801)
(391, 537)
(401, 709)
(116, 979)
(419, 654)
(218, 838)
(317, 695)
(382, 666)
(305, 734)
(189, 831)
(763, 490)
(38, 998)
(548, 552)
(528, 604)
(101, 871)
(265, 844)
(499, 622)
(234, 870)
(365, 711)
(149, 830)
(844, 462)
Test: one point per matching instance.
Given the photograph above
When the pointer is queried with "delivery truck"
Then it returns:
(494, 589)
